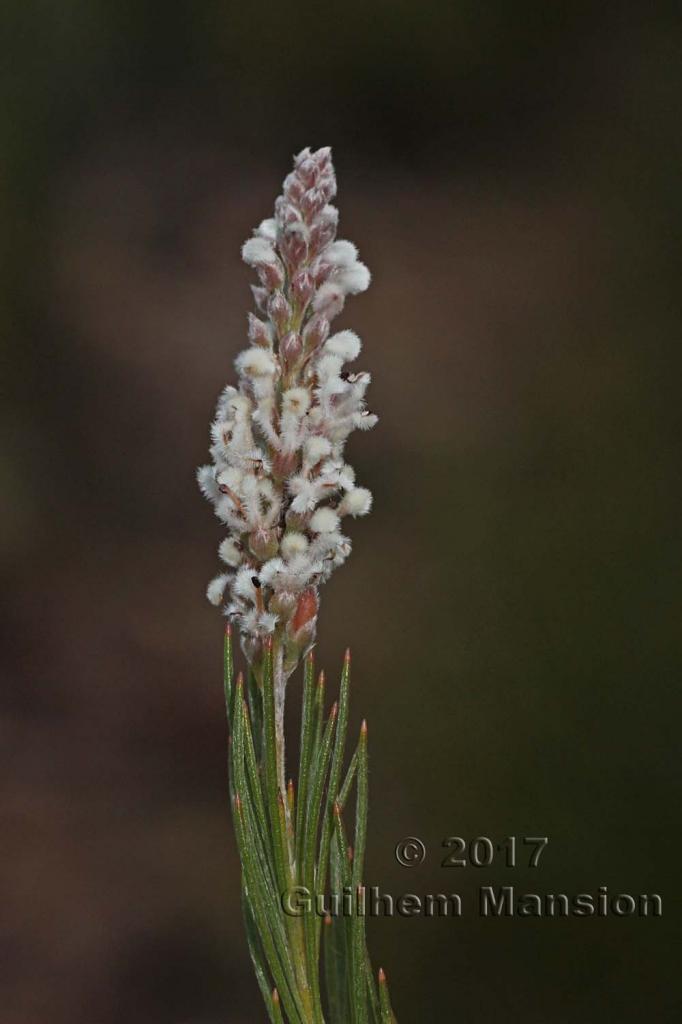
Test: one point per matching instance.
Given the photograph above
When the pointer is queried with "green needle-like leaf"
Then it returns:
(334, 777)
(307, 739)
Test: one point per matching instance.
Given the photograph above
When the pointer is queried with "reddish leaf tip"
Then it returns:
(328, 919)
(275, 997)
(337, 809)
(334, 711)
(346, 656)
(363, 727)
(228, 629)
(382, 976)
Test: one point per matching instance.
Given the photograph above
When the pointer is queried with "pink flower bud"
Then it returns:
(293, 188)
(305, 614)
(303, 286)
(260, 296)
(283, 604)
(323, 231)
(307, 172)
(285, 212)
(311, 203)
(316, 332)
(322, 272)
(279, 311)
(258, 332)
(323, 156)
(293, 245)
(291, 347)
(263, 544)
(271, 275)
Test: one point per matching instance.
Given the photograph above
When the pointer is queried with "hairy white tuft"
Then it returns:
(258, 250)
(345, 345)
(356, 502)
(324, 520)
(256, 362)
(216, 589)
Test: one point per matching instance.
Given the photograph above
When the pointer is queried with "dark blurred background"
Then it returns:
(511, 175)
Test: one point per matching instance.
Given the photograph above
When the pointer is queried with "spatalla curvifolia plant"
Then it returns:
(279, 484)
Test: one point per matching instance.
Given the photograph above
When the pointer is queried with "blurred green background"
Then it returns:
(511, 175)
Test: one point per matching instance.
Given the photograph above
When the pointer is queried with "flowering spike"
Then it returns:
(278, 480)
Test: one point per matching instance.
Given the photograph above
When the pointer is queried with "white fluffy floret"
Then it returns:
(341, 253)
(258, 250)
(354, 279)
(216, 589)
(324, 520)
(293, 543)
(229, 552)
(296, 401)
(315, 449)
(345, 345)
(256, 362)
(356, 502)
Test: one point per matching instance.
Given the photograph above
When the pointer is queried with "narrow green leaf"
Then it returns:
(257, 956)
(269, 926)
(359, 975)
(336, 969)
(361, 810)
(334, 778)
(252, 773)
(318, 713)
(344, 792)
(305, 754)
(358, 944)
(254, 696)
(319, 770)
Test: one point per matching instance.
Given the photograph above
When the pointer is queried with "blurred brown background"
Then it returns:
(511, 175)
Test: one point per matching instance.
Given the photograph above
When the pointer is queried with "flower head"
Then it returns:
(278, 480)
